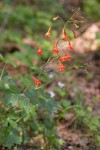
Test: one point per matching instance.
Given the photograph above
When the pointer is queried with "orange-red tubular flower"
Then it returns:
(37, 82)
(75, 35)
(55, 49)
(61, 67)
(68, 39)
(67, 56)
(47, 35)
(39, 51)
(70, 46)
(65, 35)
(62, 58)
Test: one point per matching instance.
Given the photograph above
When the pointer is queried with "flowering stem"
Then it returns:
(70, 18)
(38, 75)
(45, 65)
(49, 59)
(27, 88)
(65, 24)
(53, 59)
(36, 88)
(61, 19)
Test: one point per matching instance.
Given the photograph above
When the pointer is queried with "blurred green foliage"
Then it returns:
(92, 9)
(30, 21)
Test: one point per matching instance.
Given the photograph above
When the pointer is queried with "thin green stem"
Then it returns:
(45, 65)
(64, 111)
(2, 72)
(65, 24)
(26, 89)
(70, 18)
(62, 20)
(38, 75)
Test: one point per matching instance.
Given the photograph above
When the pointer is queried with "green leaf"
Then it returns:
(95, 120)
(25, 102)
(13, 139)
(2, 58)
(80, 112)
(9, 137)
(15, 99)
(9, 60)
(30, 94)
(8, 85)
(13, 124)
(49, 104)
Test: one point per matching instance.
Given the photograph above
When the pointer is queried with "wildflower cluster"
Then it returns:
(64, 54)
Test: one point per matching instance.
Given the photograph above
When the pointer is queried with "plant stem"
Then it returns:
(39, 74)
(65, 24)
(45, 65)
(2, 72)
(64, 111)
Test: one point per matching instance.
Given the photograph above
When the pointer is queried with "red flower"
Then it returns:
(62, 58)
(47, 35)
(37, 82)
(67, 56)
(55, 49)
(61, 67)
(65, 35)
(75, 35)
(67, 38)
(39, 51)
(70, 46)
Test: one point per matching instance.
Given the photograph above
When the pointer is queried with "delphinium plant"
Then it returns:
(28, 113)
